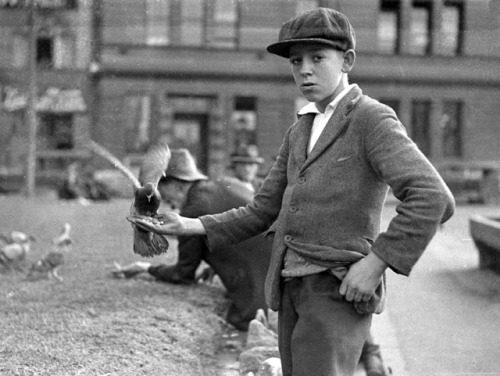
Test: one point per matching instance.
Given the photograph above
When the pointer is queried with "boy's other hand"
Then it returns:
(362, 279)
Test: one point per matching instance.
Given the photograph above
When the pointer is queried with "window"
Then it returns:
(244, 121)
(392, 103)
(388, 27)
(452, 28)
(56, 131)
(420, 119)
(44, 52)
(157, 22)
(420, 27)
(451, 128)
(191, 29)
(63, 51)
(223, 23)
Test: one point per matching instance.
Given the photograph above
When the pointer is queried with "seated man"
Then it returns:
(242, 268)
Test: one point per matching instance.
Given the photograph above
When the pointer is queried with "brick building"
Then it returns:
(196, 73)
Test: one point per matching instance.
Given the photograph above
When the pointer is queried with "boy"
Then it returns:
(323, 197)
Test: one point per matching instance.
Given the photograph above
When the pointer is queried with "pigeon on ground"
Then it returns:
(147, 198)
(48, 266)
(63, 240)
(14, 251)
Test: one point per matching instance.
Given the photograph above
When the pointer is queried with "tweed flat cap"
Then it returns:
(320, 25)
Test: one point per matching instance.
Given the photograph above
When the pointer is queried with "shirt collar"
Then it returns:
(311, 108)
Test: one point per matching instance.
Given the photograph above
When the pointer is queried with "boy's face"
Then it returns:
(318, 70)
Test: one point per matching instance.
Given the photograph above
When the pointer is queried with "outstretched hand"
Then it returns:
(161, 224)
(169, 223)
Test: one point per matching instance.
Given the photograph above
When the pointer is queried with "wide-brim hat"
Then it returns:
(183, 166)
(247, 154)
(320, 25)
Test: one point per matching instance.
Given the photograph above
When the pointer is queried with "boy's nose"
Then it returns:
(305, 68)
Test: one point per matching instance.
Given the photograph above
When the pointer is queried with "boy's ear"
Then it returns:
(349, 59)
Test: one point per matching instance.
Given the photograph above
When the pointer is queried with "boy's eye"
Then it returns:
(318, 58)
(294, 60)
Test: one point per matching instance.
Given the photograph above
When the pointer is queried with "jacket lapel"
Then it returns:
(301, 139)
(335, 126)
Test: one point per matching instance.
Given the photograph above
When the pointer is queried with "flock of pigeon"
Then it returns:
(15, 247)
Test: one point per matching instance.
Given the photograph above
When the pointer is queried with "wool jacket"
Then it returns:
(330, 202)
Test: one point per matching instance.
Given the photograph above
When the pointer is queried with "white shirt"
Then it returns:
(321, 119)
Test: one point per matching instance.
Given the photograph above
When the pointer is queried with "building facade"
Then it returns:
(196, 74)
(55, 36)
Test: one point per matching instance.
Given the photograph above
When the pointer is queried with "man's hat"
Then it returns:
(246, 154)
(182, 166)
(320, 25)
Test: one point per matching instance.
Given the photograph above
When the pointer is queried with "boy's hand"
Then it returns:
(163, 224)
(168, 224)
(362, 279)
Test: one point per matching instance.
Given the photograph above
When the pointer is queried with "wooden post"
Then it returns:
(31, 105)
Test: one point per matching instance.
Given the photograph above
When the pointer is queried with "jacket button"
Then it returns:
(293, 209)
(302, 180)
(288, 238)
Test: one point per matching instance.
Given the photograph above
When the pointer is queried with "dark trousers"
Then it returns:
(320, 333)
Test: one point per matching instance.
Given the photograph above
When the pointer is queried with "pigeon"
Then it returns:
(14, 251)
(147, 198)
(52, 261)
(47, 266)
(63, 240)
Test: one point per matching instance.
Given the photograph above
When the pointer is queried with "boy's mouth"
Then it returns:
(307, 84)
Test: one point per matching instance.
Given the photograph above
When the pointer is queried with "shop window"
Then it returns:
(420, 27)
(420, 118)
(451, 129)
(244, 121)
(453, 28)
(44, 52)
(388, 27)
(223, 23)
(158, 22)
(56, 132)
(137, 118)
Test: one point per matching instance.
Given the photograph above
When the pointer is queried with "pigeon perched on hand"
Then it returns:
(147, 198)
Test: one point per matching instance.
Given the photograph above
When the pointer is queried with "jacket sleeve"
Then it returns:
(426, 201)
(236, 225)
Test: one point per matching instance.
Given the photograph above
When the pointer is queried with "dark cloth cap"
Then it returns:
(320, 25)
(183, 166)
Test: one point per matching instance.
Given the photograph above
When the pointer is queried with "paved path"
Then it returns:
(444, 320)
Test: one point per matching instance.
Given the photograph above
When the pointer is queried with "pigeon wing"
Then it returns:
(106, 154)
(154, 164)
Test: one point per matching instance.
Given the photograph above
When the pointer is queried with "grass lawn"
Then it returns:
(92, 324)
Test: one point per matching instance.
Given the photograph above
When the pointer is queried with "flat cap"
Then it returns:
(320, 25)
